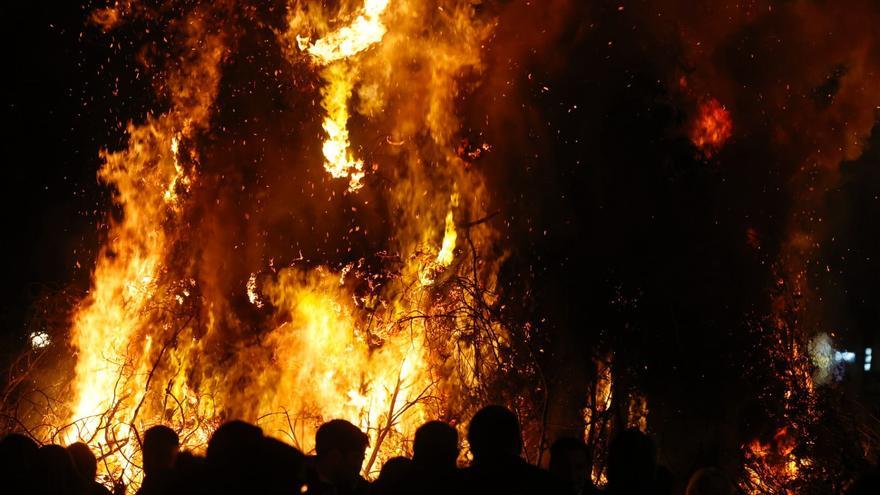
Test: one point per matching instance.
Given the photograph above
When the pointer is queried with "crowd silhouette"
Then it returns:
(240, 459)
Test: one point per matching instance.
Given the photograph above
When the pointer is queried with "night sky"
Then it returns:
(623, 235)
(58, 115)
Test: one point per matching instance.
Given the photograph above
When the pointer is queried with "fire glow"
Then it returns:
(334, 50)
(712, 128)
(386, 347)
(379, 211)
(772, 465)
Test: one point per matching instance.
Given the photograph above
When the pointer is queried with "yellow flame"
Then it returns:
(251, 288)
(155, 338)
(326, 367)
(365, 31)
(334, 49)
(771, 466)
(179, 178)
(339, 160)
(428, 273)
(115, 354)
(446, 254)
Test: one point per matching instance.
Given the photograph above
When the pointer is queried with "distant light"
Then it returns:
(868, 355)
(845, 356)
(39, 340)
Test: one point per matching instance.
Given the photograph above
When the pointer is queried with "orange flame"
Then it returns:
(773, 465)
(158, 339)
(335, 49)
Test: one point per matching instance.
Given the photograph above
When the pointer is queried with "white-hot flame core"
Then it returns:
(366, 30)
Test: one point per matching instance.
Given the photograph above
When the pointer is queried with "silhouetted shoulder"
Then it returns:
(18, 457)
(514, 477)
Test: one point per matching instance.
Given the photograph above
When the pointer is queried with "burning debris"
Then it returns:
(712, 127)
(773, 466)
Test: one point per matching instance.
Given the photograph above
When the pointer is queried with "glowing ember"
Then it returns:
(637, 413)
(712, 128)
(251, 287)
(39, 340)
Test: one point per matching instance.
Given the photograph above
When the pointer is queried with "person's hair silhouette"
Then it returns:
(84, 460)
(232, 456)
(496, 444)
(56, 474)
(435, 446)
(280, 469)
(18, 458)
(570, 464)
(632, 462)
(344, 445)
(231, 441)
(392, 480)
(159, 450)
(340, 449)
(340, 436)
(494, 434)
(86, 465)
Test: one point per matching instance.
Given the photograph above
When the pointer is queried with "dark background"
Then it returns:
(58, 115)
(627, 238)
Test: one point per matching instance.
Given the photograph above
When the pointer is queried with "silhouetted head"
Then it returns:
(190, 475)
(570, 463)
(17, 452)
(159, 449)
(632, 461)
(340, 447)
(494, 434)
(709, 481)
(14, 445)
(84, 460)
(232, 442)
(18, 456)
(234, 456)
(436, 446)
(281, 468)
(56, 472)
(393, 475)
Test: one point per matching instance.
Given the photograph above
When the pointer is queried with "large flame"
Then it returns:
(335, 48)
(160, 338)
(365, 31)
